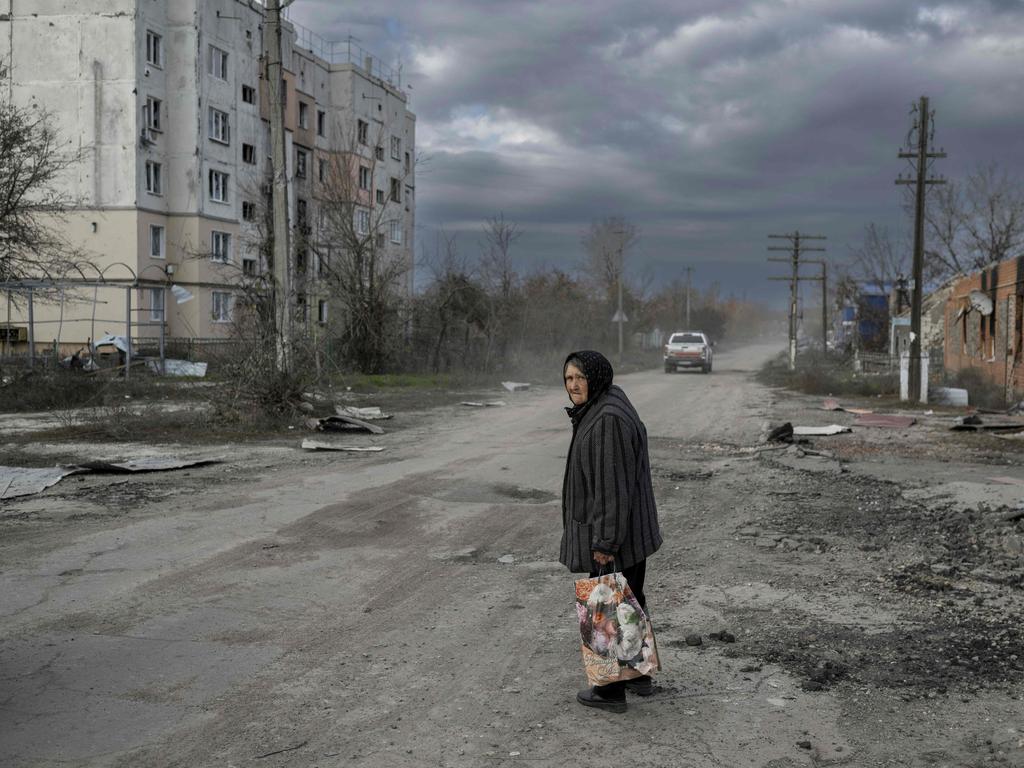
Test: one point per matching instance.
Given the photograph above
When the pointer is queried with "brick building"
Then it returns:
(984, 315)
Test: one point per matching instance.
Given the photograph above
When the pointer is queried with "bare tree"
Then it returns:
(501, 282)
(878, 261)
(605, 245)
(976, 223)
(33, 162)
(357, 264)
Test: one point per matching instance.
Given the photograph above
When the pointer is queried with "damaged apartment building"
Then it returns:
(985, 325)
(167, 102)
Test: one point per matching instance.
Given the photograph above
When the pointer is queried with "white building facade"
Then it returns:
(167, 102)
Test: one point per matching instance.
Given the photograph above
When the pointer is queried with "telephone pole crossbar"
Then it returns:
(796, 249)
(920, 160)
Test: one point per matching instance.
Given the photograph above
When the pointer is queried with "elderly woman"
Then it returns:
(609, 519)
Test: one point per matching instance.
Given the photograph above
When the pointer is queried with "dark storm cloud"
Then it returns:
(707, 123)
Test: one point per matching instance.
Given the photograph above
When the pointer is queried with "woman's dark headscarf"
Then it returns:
(598, 371)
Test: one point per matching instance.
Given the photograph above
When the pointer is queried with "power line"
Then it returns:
(796, 249)
(920, 161)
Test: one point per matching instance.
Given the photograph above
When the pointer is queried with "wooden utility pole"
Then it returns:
(796, 249)
(920, 160)
(283, 314)
(689, 285)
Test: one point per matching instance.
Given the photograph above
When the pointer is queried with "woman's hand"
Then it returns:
(601, 558)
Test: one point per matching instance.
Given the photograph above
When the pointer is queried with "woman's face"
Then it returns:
(575, 384)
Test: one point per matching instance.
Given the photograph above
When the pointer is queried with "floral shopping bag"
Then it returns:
(616, 635)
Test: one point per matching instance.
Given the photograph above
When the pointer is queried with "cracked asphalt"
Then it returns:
(291, 609)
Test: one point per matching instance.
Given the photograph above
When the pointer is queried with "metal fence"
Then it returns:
(876, 362)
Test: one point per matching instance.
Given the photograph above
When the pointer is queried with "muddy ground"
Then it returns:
(858, 598)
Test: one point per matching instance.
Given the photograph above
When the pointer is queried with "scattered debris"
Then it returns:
(831, 404)
(372, 413)
(831, 429)
(25, 481)
(152, 464)
(1007, 480)
(949, 396)
(885, 420)
(974, 423)
(120, 343)
(506, 559)
(724, 636)
(320, 445)
(300, 745)
(515, 386)
(694, 640)
(178, 368)
(782, 434)
(488, 404)
(342, 423)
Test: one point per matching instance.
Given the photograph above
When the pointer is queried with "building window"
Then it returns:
(396, 148)
(248, 94)
(218, 63)
(218, 186)
(396, 190)
(303, 115)
(362, 221)
(408, 161)
(156, 241)
(301, 212)
(248, 211)
(219, 128)
(363, 131)
(321, 312)
(249, 267)
(396, 231)
(321, 170)
(380, 196)
(154, 184)
(321, 123)
(221, 307)
(154, 49)
(220, 247)
(249, 154)
(151, 113)
(364, 177)
(156, 304)
(300, 164)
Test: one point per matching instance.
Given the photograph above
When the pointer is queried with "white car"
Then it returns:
(688, 349)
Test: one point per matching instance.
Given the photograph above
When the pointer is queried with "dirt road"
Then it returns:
(340, 610)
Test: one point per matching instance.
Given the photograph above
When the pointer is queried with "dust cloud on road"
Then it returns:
(407, 609)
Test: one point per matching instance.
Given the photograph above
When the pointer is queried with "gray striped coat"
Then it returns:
(607, 496)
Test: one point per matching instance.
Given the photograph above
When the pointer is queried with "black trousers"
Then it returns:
(635, 578)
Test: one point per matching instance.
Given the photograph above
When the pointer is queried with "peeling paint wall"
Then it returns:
(85, 61)
(990, 344)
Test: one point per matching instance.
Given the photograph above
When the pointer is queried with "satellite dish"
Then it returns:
(981, 302)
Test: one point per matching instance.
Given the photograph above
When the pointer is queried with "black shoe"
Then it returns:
(641, 686)
(588, 697)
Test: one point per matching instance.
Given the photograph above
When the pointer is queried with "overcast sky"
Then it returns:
(708, 123)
